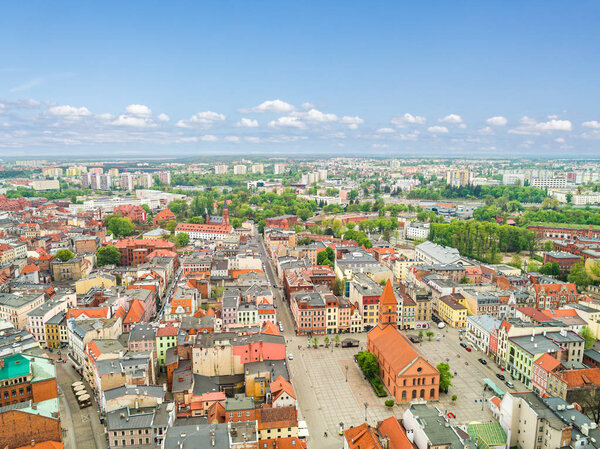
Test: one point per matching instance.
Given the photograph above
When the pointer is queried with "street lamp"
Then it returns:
(366, 404)
(346, 373)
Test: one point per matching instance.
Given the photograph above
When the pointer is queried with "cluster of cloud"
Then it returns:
(30, 122)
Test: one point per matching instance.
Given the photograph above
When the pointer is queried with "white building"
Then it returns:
(510, 179)
(279, 169)
(479, 329)
(258, 168)
(549, 183)
(239, 169)
(220, 169)
(417, 230)
(46, 184)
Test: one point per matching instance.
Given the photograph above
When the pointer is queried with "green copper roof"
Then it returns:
(15, 365)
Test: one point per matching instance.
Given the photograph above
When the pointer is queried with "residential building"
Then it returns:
(452, 312)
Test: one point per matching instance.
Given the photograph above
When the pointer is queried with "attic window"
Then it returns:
(419, 369)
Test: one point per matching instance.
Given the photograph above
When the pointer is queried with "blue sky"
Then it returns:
(438, 78)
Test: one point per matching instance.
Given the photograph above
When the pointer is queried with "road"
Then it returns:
(81, 427)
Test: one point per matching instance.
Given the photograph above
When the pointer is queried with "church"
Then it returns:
(404, 371)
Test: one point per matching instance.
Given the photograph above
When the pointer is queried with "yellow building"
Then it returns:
(100, 280)
(55, 328)
(409, 309)
(402, 268)
(452, 312)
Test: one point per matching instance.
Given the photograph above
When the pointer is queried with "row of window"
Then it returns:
(13, 393)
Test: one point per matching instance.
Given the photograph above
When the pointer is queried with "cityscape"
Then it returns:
(322, 225)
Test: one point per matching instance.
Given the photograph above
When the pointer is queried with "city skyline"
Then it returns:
(337, 79)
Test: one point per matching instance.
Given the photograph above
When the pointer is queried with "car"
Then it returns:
(509, 384)
(290, 356)
(467, 349)
(464, 345)
(483, 361)
(501, 377)
(441, 325)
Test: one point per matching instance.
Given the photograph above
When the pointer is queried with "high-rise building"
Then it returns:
(458, 178)
(220, 169)
(145, 180)
(258, 168)
(165, 177)
(127, 181)
(322, 174)
(279, 169)
(239, 169)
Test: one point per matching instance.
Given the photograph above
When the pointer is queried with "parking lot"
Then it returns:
(325, 398)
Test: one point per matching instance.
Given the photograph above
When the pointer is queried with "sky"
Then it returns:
(462, 78)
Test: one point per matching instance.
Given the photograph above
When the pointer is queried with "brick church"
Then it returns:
(404, 371)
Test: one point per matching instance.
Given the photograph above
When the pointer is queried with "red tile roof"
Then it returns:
(30, 268)
(395, 433)
(136, 312)
(363, 437)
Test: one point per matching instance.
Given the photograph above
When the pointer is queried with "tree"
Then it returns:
(516, 261)
(368, 363)
(420, 333)
(454, 397)
(315, 342)
(569, 197)
(550, 269)
(548, 246)
(326, 257)
(119, 226)
(533, 267)
(183, 238)
(326, 341)
(108, 255)
(64, 255)
(304, 214)
(445, 376)
(429, 334)
(171, 225)
(338, 287)
(579, 276)
(389, 403)
(336, 339)
(587, 334)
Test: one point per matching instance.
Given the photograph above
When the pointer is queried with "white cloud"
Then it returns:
(201, 120)
(463, 126)
(451, 118)
(138, 110)
(106, 116)
(408, 119)
(497, 120)
(252, 139)
(272, 106)
(134, 122)
(247, 123)
(186, 140)
(307, 105)
(287, 122)
(352, 122)
(380, 145)
(234, 139)
(437, 129)
(162, 117)
(486, 131)
(385, 130)
(209, 138)
(560, 140)
(315, 116)
(591, 124)
(69, 112)
(412, 136)
(530, 126)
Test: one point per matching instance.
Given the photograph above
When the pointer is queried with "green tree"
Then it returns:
(587, 334)
(183, 238)
(64, 255)
(336, 339)
(338, 287)
(368, 363)
(429, 334)
(579, 276)
(420, 333)
(119, 226)
(516, 261)
(108, 255)
(445, 376)
(326, 341)
(171, 225)
(548, 246)
(315, 342)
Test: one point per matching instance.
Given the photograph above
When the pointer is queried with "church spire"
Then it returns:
(388, 307)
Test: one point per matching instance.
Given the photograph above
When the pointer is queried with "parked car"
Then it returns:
(291, 356)
(501, 377)
(483, 361)
(509, 384)
(468, 349)
(441, 325)
(464, 345)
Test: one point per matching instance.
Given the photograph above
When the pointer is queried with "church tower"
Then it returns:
(388, 307)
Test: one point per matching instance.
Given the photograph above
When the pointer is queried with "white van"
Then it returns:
(441, 325)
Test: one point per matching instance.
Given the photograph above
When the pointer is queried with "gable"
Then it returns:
(420, 367)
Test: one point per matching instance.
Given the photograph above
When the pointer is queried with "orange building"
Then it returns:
(164, 216)
(404, 371)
